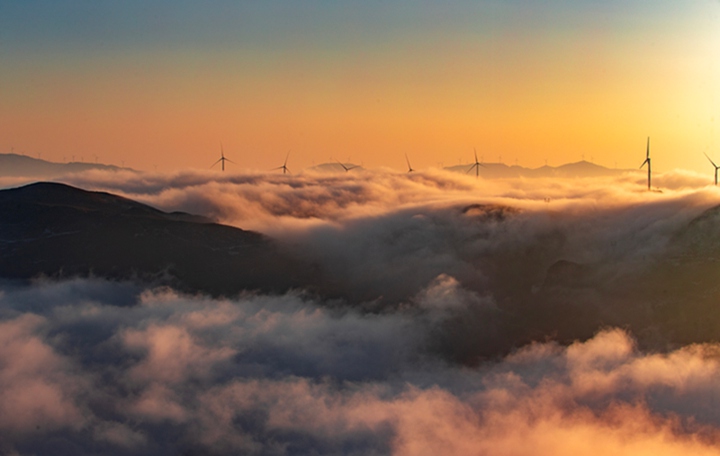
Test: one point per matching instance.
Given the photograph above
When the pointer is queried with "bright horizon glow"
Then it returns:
(163, 84)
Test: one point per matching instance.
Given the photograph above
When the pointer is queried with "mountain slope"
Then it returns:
(58, 230)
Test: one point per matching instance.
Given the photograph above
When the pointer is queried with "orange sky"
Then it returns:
(366, 84)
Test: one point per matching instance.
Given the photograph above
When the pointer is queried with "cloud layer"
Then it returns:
(452, 315)
(557, 258)
(281, 375)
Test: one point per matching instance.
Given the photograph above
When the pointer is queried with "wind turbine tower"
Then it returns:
(222, 159)
(475, 165)
(408, 163)
(647, 160)
(715, 166)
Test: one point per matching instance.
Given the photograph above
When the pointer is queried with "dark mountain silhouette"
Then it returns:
(669, 298)
(60, 231)
(15, 165)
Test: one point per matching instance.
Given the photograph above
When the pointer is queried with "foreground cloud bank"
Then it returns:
(171, 374)
(549, 258)
(417, 339)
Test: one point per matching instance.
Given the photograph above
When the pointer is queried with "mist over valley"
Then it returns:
(346, 313)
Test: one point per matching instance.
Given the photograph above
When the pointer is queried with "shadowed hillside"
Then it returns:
(60, 231)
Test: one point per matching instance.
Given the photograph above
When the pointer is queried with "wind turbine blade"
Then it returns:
(713, 163)
(646, 161)
(470, 169)
(408, 161)
(227, 159)
(219, 160)
(647, 154)
(344, 167)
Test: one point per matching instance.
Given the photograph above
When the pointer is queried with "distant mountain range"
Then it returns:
(501, 170)
(15, 165)
(60, 231)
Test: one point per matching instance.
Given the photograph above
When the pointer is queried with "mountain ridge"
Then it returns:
(15, 165)
(577, 169)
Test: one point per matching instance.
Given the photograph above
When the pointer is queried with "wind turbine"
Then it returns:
(346, 168)
(475, 165)
(716, 167)
(284, 167)
(222, 159)
(647, 160)
(408, 162)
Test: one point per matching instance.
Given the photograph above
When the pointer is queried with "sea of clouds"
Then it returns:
(436, 328)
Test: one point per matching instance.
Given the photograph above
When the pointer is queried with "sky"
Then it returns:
(165, 84)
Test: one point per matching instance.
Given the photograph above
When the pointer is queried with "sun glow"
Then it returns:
(546, 83)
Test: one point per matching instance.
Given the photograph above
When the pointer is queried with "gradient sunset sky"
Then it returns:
(160, 83)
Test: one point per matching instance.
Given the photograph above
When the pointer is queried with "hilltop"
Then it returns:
(61, 231)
